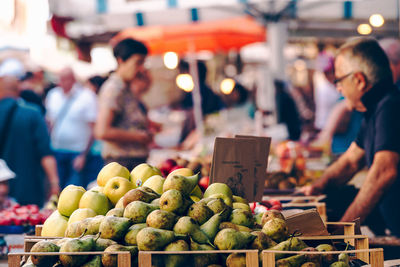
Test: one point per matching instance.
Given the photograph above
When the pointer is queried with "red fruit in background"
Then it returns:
(204, 182)
(175, 168)
(35, 219)
(274, 202)
(166, 166)
(266, 204)
(33, 208)
(276, 207)
(5, 221)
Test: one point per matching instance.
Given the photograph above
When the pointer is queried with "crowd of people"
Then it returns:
(53, 135)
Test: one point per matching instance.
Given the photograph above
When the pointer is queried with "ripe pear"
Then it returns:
(117, 212)
(310, 264)
(103, 243)
(211, 227)
(176, 260)
(156, 202)
(137, 211)
(238, 205)
(120, 203)
(76, 245)
(55, 225)
(74, 229)
(187, 226)
(200, 212)
(92, 224)
(270, 214)
(228, 201)
(111, 260)
(173, 201)
(228, 239)
(237, 227)
(217, 205)
(156, 183)
(218, 188)
(257, 218)
(114, 228)
(236, 260)
(139, 194)
(339, 264)
(69, 199)
(295, 260)
(44, 246)
(161, 219)
(184, 184)
(276, 229)
(130, 237)
(112, 170)
(239, 199)
(242, 217)
(154, 239)
(207, 200)
(344, 257)
(292, 244)
(262, 241)
(312, 257)
(94, 262)
(201, 260)
(196, 192)
(327, 259)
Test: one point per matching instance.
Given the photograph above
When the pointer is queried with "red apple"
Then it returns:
(276, 207)
(167, 165)
(204, 182)
(274, 202)
(176, 167)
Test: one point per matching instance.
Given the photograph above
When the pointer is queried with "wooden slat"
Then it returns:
(144, 259)
(268, 259)
(377, 259)
(362, 244)
(124, 260)
(38, 229)
(252, 258)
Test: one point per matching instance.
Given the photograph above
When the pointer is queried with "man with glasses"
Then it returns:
(364, 78)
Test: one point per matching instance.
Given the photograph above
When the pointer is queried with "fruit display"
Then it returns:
(28, 215)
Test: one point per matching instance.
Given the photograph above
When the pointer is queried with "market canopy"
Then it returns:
(219, 35)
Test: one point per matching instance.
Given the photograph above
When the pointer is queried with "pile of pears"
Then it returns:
(170, 214)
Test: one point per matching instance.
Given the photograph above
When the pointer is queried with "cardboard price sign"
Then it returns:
(238, 163)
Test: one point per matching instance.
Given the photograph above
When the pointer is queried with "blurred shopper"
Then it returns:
(364, 77)
(25, 146)
(122, 121)
(27, 92)
(5, 175)
(71, 113)
(391, 47)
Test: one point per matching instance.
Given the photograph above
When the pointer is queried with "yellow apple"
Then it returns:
(116, 188)
(181, 171)
(69, 199)
(81, 214)
(142, 172)
(120, 203)
(156, 183)
(96, 201)
(216, 188)
(112, 170)
(55, 225)
(97, 188)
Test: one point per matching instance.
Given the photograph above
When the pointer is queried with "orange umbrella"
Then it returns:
(221, 35)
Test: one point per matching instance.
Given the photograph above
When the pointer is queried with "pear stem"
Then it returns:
(84, 232)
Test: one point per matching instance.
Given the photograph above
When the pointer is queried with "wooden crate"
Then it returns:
(38, 229)
(375, 256)
(145, 257)
(124, 257)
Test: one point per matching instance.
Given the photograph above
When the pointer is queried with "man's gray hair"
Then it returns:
(367, 56)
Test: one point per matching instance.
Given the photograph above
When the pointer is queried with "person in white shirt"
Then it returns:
(71, 113)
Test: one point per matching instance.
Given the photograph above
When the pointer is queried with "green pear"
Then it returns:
(92, 224)
(207, 200)
(238, 205)
(236, 260)
(187, 226)
(310, 264)
(228, 239)
(161, 219)
(262, 241)
(291, 244)
(295, 260)
(237, 227)
(211, 227)
(238, 199)
(130, 237)
(216, 188)
(270, 214)
(117, 212)
(217, 205)
(156, 202)
(200, 212)
(94, 262)
(154, 239)
(173, 201)
(339, 264)
(176, 260)
(344, 257)
(242, 217)
(74, 229)
(327, 259)
(184, 184)
(76, 245)
(44, 246)
(315, 258)
(201, 260)
(111, 260)
(114, 228)
(276, 229)
(103, 243)
(143, 194)
(228, 201)
(137, 211)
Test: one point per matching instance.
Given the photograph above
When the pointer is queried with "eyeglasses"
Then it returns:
(338, 80)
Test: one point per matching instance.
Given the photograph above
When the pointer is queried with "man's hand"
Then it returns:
(311, 190)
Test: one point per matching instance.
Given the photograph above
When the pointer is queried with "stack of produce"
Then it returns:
(28, 215)
(153, 213)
